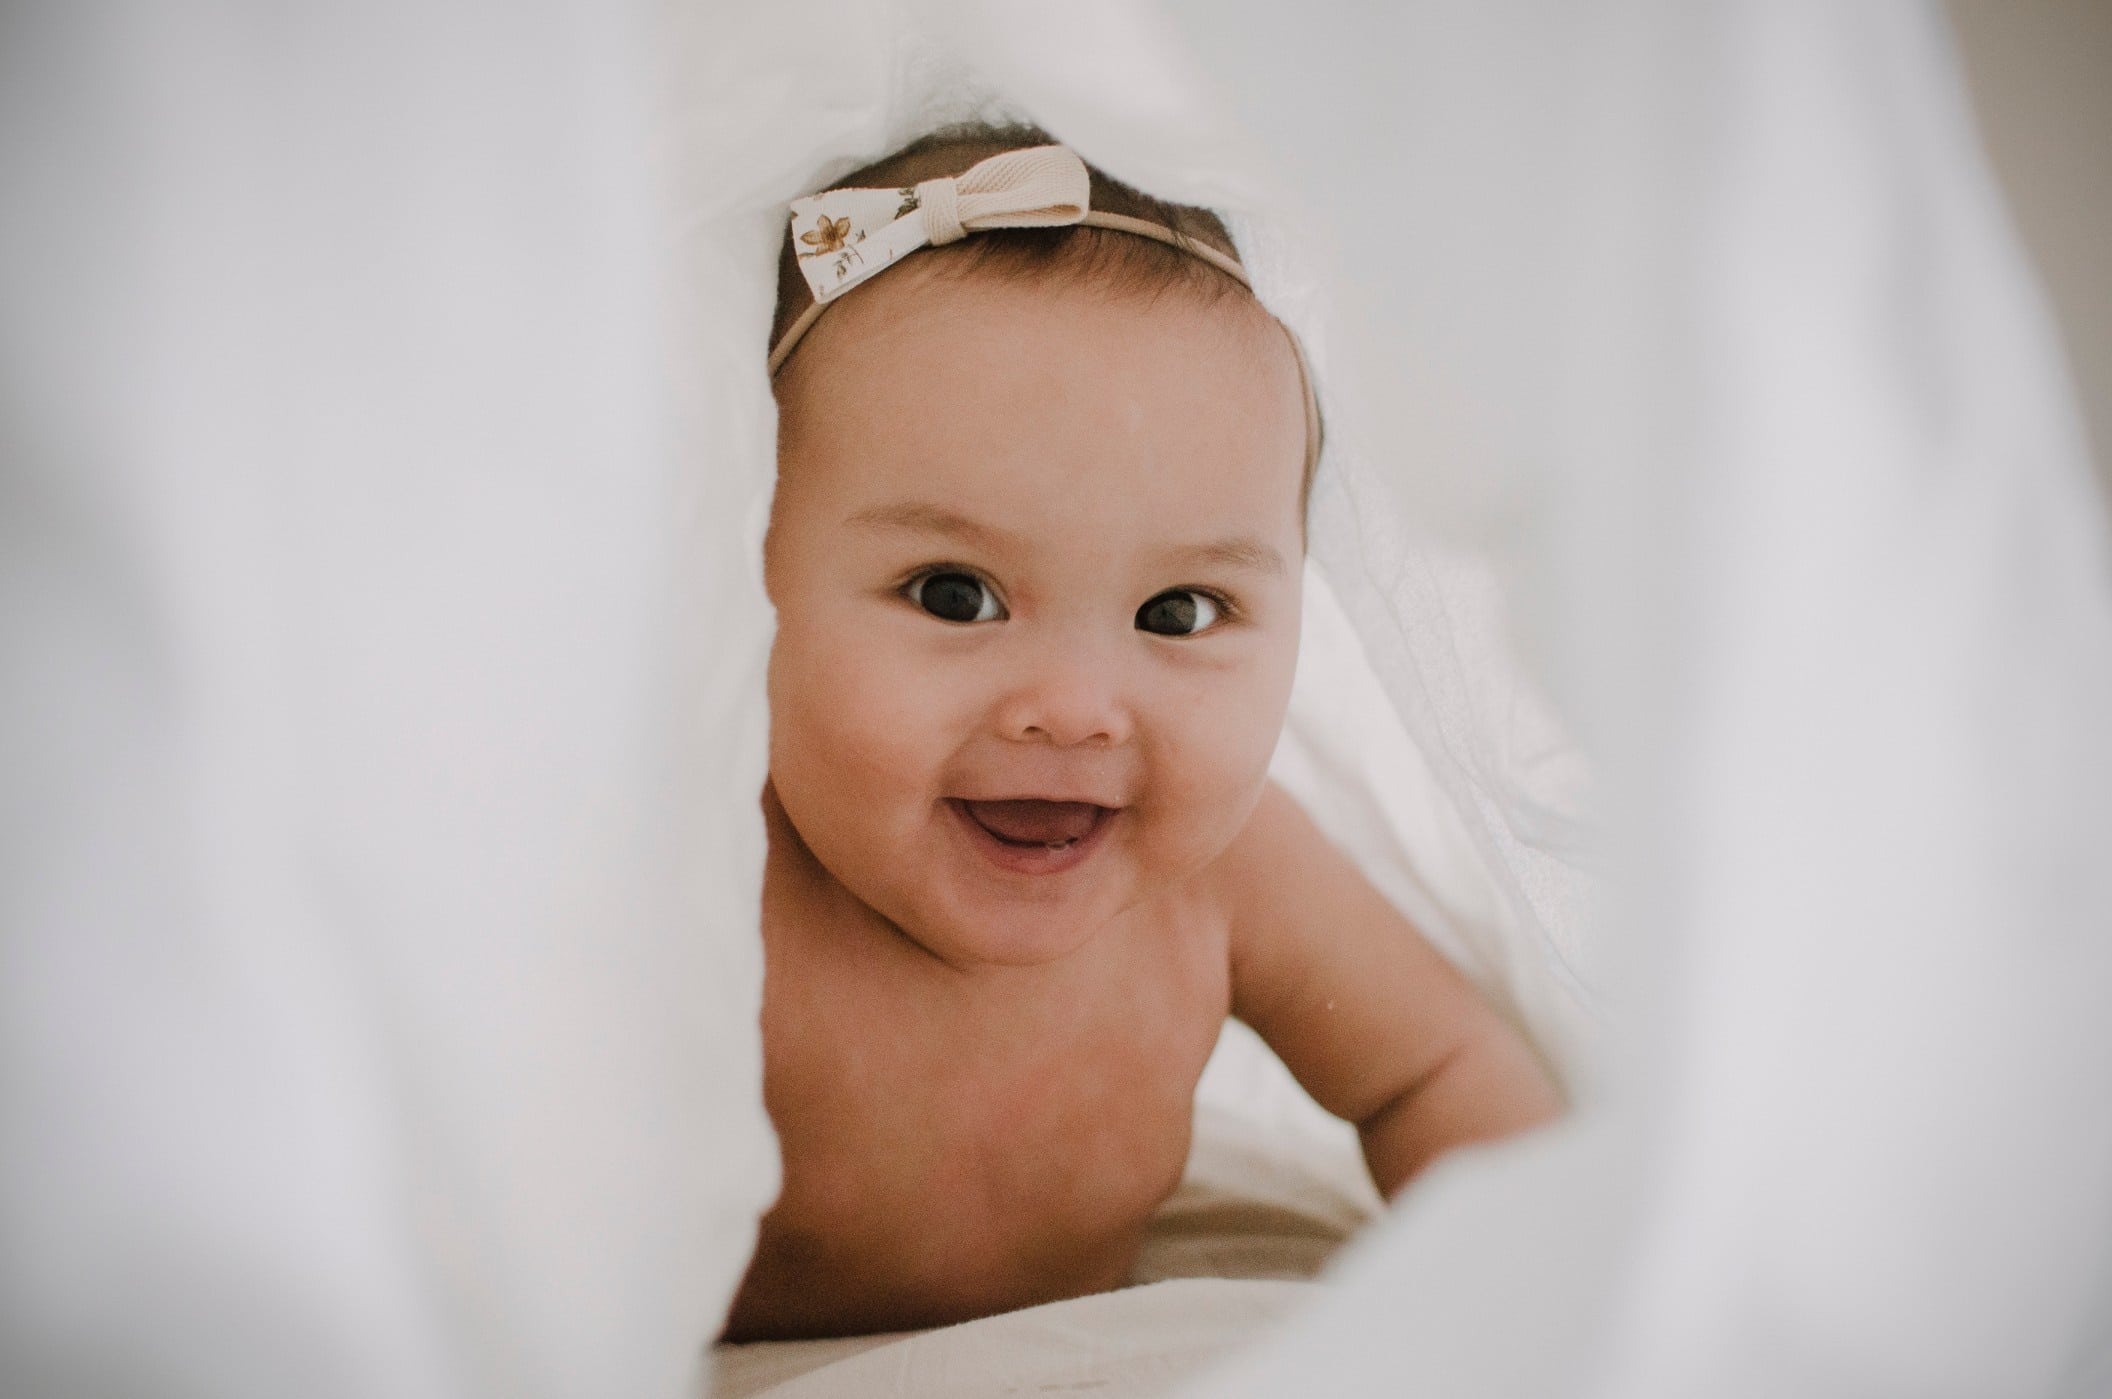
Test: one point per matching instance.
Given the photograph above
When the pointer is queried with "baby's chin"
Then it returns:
(982, 927)
(979, 928)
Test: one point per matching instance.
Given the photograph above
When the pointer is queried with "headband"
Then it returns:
(842, 237)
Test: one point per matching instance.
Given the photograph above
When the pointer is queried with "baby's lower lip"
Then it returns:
(1031, 857)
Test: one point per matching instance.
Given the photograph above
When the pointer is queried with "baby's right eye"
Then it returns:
(952, 596)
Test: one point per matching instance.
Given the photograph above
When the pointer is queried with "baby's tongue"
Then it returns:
(1035, 822)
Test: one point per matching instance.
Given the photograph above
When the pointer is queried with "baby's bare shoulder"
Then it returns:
(1340, 984)
(1278, 853)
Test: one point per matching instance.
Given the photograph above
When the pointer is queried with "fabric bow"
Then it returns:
(843, 236)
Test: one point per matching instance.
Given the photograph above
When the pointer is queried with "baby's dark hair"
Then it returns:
(1119, 262)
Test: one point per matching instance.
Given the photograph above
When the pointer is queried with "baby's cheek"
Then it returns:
(883, 712)
(851, 719)
(1206, 780)
(853, 776)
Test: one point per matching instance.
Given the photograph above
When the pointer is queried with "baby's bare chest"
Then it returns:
(948, 1153)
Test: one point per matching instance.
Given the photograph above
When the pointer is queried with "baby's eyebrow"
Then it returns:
(922, 518)
(1243, 553)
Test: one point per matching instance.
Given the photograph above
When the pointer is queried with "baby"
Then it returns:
(1035, 554)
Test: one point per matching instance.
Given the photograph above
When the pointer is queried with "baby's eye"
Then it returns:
(955, 597)
(1179, 612)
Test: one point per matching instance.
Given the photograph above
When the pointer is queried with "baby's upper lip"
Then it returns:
(1104, 800)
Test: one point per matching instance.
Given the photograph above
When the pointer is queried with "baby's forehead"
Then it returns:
(1045, 398)
(946, 337)
(992, 310)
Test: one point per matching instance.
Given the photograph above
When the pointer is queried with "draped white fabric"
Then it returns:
(379, 987)
(382, 448)
(1774, 444)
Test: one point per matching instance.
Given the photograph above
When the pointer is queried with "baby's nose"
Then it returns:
(1068, 700)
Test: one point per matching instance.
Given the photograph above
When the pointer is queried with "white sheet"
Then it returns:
(377, 983)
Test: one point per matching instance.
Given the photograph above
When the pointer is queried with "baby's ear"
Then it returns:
(785, 530)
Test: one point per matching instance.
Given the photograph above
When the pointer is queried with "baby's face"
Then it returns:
(1035, 553)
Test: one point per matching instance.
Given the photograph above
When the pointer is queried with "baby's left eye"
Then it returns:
(1179, 612)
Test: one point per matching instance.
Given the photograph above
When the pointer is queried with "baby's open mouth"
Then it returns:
(1028, 822)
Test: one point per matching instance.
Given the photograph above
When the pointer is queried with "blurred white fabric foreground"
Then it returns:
(380, 644)
(1808, 539)
(378, 996)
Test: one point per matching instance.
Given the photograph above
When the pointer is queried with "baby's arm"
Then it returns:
(1377, 1025)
